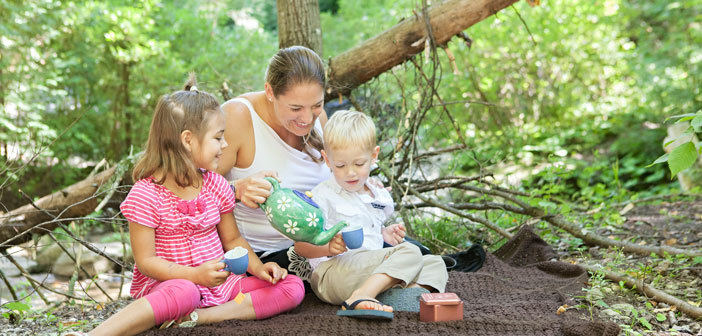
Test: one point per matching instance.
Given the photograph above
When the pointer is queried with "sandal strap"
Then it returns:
(353, 305)
(191, 323)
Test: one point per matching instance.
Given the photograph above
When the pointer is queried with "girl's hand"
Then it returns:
(394, 234)
(254, 190)
(337, 245)
(210, 274)
(270, 272)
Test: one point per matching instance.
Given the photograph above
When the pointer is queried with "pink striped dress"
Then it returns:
(185, 231)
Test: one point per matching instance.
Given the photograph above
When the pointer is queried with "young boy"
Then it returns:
(354, 278)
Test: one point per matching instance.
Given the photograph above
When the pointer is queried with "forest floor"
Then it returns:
(677, 224)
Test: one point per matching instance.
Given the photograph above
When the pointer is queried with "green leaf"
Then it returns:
(19, 306)
(680, 116)
(547, 204)
(644, 322)
(660, 317)
(697, 121)
(663, 158)
(681, 158)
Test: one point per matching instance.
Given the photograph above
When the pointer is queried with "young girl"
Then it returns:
(181, 223)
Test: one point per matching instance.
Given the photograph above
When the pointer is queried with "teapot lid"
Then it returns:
(305, 198)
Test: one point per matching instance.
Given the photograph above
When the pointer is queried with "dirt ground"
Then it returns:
(677, 224)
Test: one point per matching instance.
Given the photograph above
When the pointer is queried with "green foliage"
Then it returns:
(15, 311)
(78, 80)
(684, 154)
(572, 102)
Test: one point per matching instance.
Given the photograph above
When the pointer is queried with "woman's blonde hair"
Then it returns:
(187, 109)
(349, 129)
(293, 66)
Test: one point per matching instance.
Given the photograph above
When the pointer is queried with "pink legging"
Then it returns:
(172, 299)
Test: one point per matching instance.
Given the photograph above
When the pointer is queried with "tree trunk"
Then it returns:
(397, 44)
(299, 24)
(74, 201)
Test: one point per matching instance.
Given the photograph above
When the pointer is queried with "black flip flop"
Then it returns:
(351, 311)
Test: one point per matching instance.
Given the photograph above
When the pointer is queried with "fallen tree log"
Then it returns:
(404, 40)
(648, 290)
(76, 200)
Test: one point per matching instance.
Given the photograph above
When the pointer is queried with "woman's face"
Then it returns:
(298, 108)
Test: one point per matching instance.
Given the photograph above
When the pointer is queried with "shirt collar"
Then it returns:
(377, 194)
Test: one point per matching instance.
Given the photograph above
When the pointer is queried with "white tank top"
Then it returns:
(295, 169)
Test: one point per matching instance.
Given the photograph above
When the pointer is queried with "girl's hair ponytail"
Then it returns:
(190, 84)
(187, 109)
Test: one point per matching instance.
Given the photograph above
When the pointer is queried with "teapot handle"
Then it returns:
(274, 182)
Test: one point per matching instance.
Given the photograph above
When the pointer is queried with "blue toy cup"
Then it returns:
(236, 260)
(353, 236)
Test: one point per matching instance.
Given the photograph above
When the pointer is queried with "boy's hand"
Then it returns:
(337, 245)
(270, 272)
(394, 234)
(210, 274)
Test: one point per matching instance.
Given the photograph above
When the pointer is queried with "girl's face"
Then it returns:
(207, 149)
(298, 108)
(351, 166)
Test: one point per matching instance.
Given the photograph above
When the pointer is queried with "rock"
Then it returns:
(695, 328)
(672, 319)
(663, 266)
(624, 308)
(53, 259)
(594, 294)
(611, 313)
(682, 328)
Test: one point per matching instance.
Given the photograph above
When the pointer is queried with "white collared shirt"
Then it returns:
(371, 212)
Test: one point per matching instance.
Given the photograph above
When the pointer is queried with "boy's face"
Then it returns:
(351, 166)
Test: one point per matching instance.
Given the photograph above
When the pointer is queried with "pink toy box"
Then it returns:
(434, 307)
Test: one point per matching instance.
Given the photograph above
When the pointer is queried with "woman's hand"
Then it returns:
(394, 234)
(210, 274)
(337, 245)
(254, 190)
(270, 272)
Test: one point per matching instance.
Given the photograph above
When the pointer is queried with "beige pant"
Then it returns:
(334, 280)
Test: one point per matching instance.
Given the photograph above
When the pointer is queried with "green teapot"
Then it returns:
(297, 216)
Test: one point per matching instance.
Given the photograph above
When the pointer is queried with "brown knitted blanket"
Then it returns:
(516, 292)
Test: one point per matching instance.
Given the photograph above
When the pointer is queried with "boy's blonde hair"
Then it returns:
(187, 109)
(349, 128)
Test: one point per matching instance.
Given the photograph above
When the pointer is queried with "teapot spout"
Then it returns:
(324, 237)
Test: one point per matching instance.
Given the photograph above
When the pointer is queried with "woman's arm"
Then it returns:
(238, 132)
(231, 238)
(237, 127)
(143, 244)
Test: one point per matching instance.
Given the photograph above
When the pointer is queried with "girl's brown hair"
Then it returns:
(187, 109)
(292, 66)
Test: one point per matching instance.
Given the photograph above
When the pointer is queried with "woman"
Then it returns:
(278, 128)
